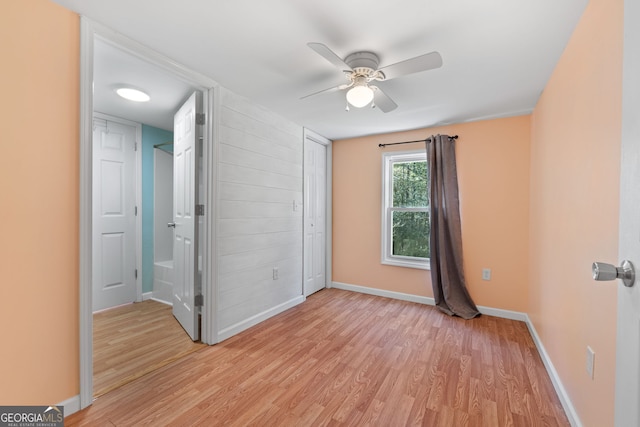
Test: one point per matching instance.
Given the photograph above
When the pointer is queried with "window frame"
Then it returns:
(387, 257)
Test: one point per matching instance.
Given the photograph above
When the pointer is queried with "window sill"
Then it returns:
(422, 265)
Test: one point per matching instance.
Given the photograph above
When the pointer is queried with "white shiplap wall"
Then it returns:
(260, 176)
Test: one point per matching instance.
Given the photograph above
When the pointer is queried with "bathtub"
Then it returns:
(163, 281)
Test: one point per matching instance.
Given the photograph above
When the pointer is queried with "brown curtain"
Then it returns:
(447, 277)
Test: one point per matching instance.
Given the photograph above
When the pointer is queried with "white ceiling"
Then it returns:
(113, 68)
(497, 54)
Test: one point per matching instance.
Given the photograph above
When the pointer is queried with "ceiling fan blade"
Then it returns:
(329, 55)
(425, 62)
(331, 89)
(382, 100)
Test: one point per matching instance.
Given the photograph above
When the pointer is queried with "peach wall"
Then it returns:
(39, 174)
(493, 170)
(575, 156)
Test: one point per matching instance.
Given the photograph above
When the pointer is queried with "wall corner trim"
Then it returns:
(567, 405)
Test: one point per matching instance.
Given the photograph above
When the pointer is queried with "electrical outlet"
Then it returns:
(486, 274)
(591, 356)
(275, 273)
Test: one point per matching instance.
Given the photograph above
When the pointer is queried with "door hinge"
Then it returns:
(135, 211)
(200, 118)
(135, 273)
(135, 146)
(199, 300)
(200, 210)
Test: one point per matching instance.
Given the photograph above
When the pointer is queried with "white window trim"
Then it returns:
(388, 159)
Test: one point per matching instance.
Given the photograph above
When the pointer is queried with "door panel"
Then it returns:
(315, 199)
(113, 254)
(627, 390)
(186, 152)
(114, 229)
(112, 191)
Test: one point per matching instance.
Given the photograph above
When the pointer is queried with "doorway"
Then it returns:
(133, 337)
(91, 34)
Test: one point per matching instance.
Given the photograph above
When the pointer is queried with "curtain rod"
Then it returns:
(419, 140)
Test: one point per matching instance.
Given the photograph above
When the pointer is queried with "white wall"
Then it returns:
(259, 177)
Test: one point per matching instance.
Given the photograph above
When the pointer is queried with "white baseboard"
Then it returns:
(497, 312)
(71, 405)
(569, 409)
(254, 320)
(567, 405)
(153, 295)
(383, 293)
(162, 301)
(504, 314)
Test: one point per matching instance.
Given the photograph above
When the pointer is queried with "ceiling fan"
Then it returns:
(361, 69)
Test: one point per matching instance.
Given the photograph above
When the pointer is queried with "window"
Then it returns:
(405, 209)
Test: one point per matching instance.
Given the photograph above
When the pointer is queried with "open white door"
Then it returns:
(627, 395)
(114, 226)
(185, 224)
(315, 221)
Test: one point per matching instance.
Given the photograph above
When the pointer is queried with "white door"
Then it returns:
(315, 221)
(627, 394)
(185, 224)
(114, 222)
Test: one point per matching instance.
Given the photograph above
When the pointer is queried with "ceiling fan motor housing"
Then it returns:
(362, 60)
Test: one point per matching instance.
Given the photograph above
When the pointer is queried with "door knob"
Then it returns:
(171, 224)
(604, 271)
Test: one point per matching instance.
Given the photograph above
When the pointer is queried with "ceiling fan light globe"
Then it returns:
(360, 96)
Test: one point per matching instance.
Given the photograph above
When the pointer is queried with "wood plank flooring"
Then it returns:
(132, 340)
(349, 359)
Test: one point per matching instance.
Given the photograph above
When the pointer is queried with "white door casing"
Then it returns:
(315, 214)
(114, 221)
(90, 30)
(627, 389)
(185, 235)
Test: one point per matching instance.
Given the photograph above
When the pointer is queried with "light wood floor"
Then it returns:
(132, 340)
(344, 358)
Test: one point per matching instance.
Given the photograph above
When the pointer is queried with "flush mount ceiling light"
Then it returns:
(132, 94)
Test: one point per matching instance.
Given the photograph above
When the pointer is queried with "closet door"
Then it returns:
(315, 221)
